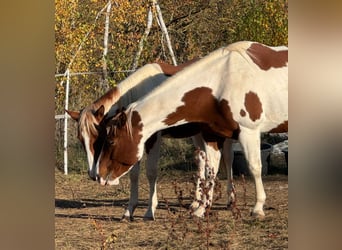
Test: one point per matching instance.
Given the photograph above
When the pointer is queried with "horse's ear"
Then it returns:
(119, 121)
(122, 119)
(74, 114)
(110, 127)
(99, 114)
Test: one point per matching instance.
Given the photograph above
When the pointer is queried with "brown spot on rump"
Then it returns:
(253, 106)
(281, 128)
(265, 57)
(120, 150)
(201, 106)
(242, 113)
(170, 70)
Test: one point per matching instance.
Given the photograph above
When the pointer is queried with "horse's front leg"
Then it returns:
(200, 144)
(134, 192)
(213, 156)
(151, 173)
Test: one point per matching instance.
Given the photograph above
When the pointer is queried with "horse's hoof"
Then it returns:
(149, 218)
(149, 215)
(126, 218)
(194, 205)
(258, 214)
(199, 212)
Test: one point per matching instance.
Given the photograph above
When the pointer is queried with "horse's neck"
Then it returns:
(143, 73)
(108, 99)
(138, 91)
(165, 99)
(136, 85)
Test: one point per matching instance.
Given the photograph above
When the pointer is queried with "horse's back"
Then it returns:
(256, 87)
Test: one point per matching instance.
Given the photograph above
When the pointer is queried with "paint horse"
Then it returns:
(239, 91)
(136, 85)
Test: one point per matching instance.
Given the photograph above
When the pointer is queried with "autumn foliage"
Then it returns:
(195, 27)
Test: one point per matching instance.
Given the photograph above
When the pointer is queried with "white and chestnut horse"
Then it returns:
(135, 86)
(238, 91)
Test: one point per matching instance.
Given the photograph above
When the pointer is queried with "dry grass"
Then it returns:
(87, 216)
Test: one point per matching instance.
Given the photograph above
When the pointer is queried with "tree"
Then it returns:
(195, 27)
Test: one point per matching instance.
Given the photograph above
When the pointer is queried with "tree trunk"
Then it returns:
(105, 85)
(164, 30)
(143, 39)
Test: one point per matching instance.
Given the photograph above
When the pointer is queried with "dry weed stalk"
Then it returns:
(233, 207)
(98, 228)
(176, 217)
(106, 243)
(244, 191)
(179, 230)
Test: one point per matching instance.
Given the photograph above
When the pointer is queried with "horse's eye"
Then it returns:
(110, 142)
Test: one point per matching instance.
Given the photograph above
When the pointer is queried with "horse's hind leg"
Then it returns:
(250, 142)
(227, 162)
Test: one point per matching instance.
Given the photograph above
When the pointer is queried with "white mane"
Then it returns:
(87, 121)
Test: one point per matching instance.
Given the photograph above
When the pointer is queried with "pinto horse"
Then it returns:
(135, 86)
(238, 91)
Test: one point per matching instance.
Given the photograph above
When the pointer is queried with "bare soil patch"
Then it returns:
(88, 216)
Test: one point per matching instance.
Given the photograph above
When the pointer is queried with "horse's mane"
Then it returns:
(129, 114)
(113, 121)
(87, 120)
(129, 90)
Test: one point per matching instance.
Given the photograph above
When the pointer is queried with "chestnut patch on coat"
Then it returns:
(281, 128)
(253, 106)
(266, 57)
(201, 106)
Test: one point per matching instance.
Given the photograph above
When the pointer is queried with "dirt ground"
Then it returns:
(88, 216)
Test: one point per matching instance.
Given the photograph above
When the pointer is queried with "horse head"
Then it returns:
(120, 148)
